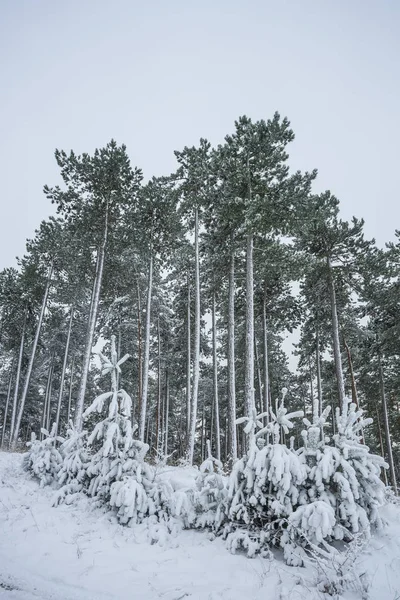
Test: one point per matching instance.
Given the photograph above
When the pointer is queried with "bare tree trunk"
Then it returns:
(231, 360)
(314, 399)
(6, 406)
(92, 325)
(378, 421)
(354, 395)
(158, 413)
(46, 396)
(249, 358)
(166, 410)
(386, 425)
(143, 407)
(188, 352)
(70, 390)
(32, 358)
(202, 434)
(318, 361)
(215, 382)
(196, 355)
(335, 336)
(259, 380)
(139, 323)
(266, 367)
(48, 427)
(64, 368)
(17, 380)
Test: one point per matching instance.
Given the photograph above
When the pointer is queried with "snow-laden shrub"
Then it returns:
(72, 474)
(43, 460)
(346, 476)
(263, 486)
(210, 492)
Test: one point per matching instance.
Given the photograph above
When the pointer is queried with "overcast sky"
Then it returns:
(158, 75)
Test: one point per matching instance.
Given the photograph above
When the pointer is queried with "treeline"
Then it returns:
(197, 275)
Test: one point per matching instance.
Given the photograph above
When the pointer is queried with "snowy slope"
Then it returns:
(76, 553)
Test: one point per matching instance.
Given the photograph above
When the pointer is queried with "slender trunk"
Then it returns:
(139, 324)
(215, 382)
(259, 380)
(196, 354)
(202, 434)
(70, 390)
(335, 335)
(378, 422)
(119, 350)
(92, 325)
(231, 361)
(188, 352)
(166, 410)
(6, 406)
(318, 361)
(46, 396)
(143, 407)
(64, 368)
(386, 425)
(48, 427)
(266, 368)
(314, 399)
(158, 417)
(17, 379)
(354, 395)
(249, 358)
(32, 358)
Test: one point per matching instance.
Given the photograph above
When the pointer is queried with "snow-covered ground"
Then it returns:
(79, 553)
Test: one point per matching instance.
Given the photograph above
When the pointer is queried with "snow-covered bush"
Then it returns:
(210, 492)
(72, 474)
(43, 460)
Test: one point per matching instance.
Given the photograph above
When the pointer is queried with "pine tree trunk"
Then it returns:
(318, 361)
(231, 361)
(91, 327)
(215, 382)
(386, 425)
(48, 421)
(32, 358)
(17, 380)
(335, 336)
(354, 395)
(188, 352)
(266, 407)
(166, 410)
(196, 355)
(378, 422)
(249, 358)
(140, 366)
(70, 390)
(6, 406)
(64, 368)
(46, 396)
(145, 380)
(314, 399)
(259, 380)
(158, 416)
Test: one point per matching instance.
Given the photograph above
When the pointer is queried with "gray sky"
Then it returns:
(158, 75)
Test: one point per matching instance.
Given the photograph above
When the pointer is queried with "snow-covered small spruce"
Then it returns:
(43, 460)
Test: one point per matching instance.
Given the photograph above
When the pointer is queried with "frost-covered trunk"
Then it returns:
(91, 327)
(196, 352)
(231, 361)
(145, 379)
(318, 362)
(386, 426)
(158, 415)
(139, 326)
(64, 368)
(266, 367)
(166, 410)
(188, 348)
(249, 357)
(7, 404)
(215, 383)
(259, 379)
(335, 335)
(17, 380)
(71, 380)
(32, 358)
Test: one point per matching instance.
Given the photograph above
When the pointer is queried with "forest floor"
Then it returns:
(80, 553)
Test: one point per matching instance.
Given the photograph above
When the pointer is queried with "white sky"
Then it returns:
(158, 75)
